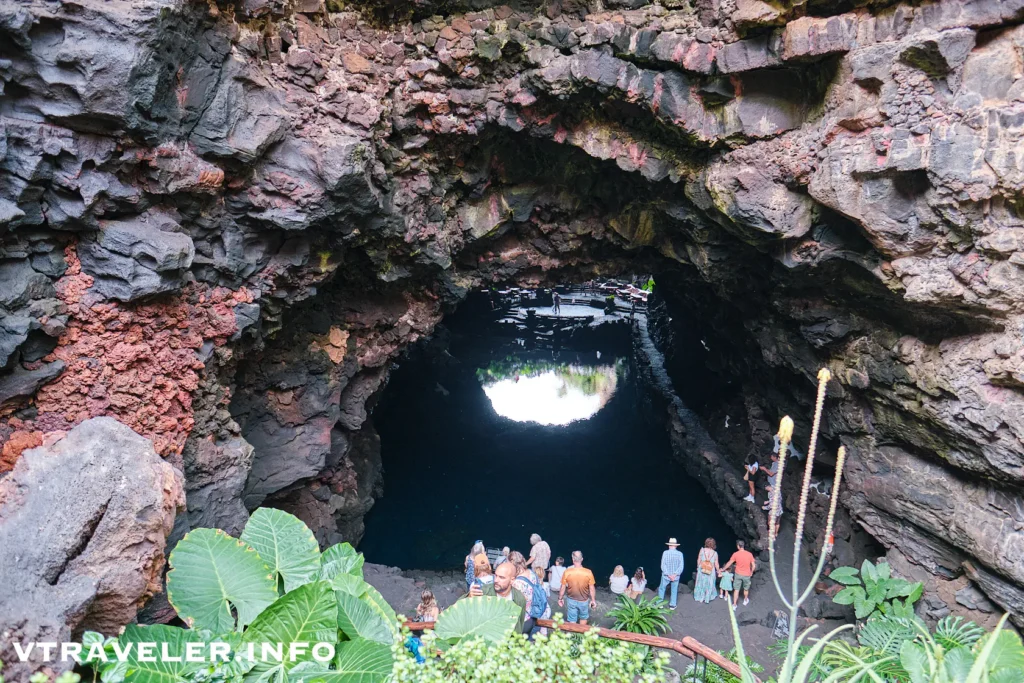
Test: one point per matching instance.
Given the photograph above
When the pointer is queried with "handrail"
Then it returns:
(689, 647)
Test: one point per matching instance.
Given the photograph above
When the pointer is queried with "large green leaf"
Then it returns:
(848, 576)
(341, 558)
(376, 601)
(1006, 652)
(886, 635)
(347, 583)
(357, 661)
(285, 544)
(490, 618)
(848, 596)
(357, 619)
(163, 669)
(308, 614)
(363, 661)
(883, 571)
(212, 572)
(915, 662)
(867, 571)
(863, 608)
(952, 632)
(958, 663)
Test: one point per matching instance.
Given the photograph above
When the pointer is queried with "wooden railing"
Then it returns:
(687, 647)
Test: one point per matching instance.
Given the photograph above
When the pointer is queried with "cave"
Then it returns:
(236, 239)
(512, 421)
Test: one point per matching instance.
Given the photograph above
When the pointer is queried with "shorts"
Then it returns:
(576, 610)
(741, 582)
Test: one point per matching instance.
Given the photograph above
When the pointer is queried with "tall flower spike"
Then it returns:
(840, 461)
(785, 437)
(823, 378)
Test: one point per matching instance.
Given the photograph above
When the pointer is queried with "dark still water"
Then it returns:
(491, 441)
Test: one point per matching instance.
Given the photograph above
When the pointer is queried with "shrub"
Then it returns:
(876, 591)
(649, 617)
(555, 657)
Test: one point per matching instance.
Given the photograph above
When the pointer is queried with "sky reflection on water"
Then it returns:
(557, 395)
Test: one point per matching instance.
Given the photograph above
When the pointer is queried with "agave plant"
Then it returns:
(649, 617)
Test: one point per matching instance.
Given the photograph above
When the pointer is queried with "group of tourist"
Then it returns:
(520, 579)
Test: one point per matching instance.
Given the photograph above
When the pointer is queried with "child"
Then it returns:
(725, 587)
(427, 610)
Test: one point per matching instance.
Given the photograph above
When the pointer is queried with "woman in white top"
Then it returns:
(618, 581)
(637, 584)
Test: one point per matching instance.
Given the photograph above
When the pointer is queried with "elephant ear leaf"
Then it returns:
(212, 572)
(285, 544)
(308, 614)
(341, 558)
(485, 617)
(150, 666)
(357, 619)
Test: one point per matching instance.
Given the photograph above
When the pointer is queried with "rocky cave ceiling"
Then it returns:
(220, 223)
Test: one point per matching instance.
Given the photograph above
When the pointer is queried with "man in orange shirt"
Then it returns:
(578, 582)
(745, 566)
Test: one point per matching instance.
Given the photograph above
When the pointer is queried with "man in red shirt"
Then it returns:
(745, 566)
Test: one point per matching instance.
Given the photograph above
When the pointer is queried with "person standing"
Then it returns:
(750, 471)
(707, 571)
(745, 566)
(578, 583)
(478, 549)
(671, 570)
(556, 303)
(502, 558)
(772, 471)
(555, 575)
(502, 588)
(540, 553)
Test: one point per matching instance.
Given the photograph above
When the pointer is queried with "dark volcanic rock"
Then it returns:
(227, 220)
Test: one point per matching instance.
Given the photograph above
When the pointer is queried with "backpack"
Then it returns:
(540, 598)
(705, 565)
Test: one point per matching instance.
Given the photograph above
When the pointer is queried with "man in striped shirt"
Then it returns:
(671, 570)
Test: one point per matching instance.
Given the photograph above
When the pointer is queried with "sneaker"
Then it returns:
(746, 601)
(749, 498)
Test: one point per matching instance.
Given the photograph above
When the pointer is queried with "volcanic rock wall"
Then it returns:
(220, 223)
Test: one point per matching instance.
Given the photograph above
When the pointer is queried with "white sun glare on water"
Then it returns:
(547, 398)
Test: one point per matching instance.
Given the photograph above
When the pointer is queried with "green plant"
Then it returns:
(709, 672)
(269, 588)
(649, 285)
(873, 590)
(555, 657)
(890, 648)
(649, 617)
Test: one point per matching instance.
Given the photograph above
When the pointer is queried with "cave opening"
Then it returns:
(511, 421)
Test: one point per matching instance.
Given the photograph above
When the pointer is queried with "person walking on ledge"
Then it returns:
(578, 582)
(556, 303)
(671, 570)
(745, 566)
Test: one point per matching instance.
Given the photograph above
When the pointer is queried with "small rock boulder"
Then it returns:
(83, 526)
